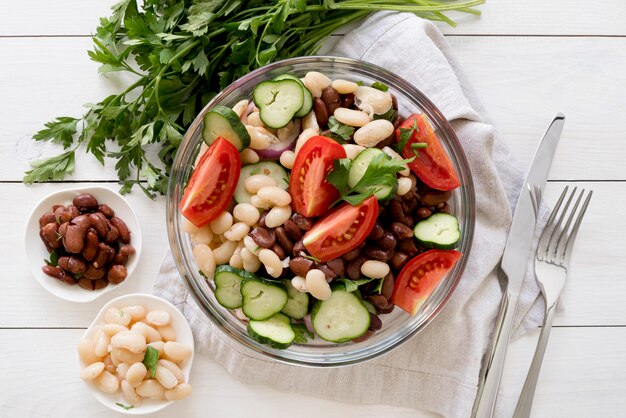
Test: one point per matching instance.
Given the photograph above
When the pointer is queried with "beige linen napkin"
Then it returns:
(438, 369)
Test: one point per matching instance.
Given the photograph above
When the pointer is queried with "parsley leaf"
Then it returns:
(53, 168)
(151, 359)
(388, 115)
(60, 131)
(54, 259)
(338, 177)
(370, 308)
(405, 136)
(353, 285)
(380, 86)
(302, 333)
(126, 407)
(340, 131)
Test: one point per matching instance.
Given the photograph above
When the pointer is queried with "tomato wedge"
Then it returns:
(212, 184)
(420, 277)
(432, 164)
(342, 230)
(311, 194)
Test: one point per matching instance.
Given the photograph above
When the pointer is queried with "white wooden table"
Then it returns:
(528, 59)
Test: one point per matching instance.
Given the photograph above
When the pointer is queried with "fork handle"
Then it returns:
(525, 401)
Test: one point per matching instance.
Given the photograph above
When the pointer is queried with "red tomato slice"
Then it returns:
(212, 183)
(420, 277)
(342, 230)
(311, 194)
(432, 165)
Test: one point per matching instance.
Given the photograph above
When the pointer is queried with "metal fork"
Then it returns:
(551, 263)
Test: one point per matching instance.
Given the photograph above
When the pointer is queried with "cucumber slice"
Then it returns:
(275, 331)
(278, 101)
(440, 231)
(262, 299)
(342, 317)
(307, 103)
(268, 168)
(228, 285)
(222, 121)
(388, 185)
(298, 303)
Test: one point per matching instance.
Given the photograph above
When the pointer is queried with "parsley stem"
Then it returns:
(419, 145)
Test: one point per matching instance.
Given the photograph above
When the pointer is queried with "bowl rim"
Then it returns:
(439, 122)
(67, 292)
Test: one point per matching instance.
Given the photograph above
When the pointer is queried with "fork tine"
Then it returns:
(563, 237)
(572, 237)
(556, 232)
(542, 247)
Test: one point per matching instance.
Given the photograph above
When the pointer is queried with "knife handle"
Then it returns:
(495, 363)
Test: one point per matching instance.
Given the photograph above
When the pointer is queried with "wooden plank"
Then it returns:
(585, 293)
(565, 17)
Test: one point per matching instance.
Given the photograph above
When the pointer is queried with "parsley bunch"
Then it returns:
(181, 54)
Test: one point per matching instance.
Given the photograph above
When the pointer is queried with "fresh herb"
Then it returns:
(380, 86)
(286, 180)
(54, 259)
(180, 54)
(370, 308)
(258, 248)
(340, 130)
(302, 333)
(255, 171)
(388, 115)
(353, 285)
(418, 145)
(360, 83)
(126, 407)
(202, 274)
(78, 276)
(151, 359)
(379, 287)
(310, 257)
(405, 136)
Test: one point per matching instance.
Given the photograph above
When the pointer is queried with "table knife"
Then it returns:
(513, 268)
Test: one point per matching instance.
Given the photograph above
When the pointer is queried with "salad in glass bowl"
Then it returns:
(316, 205)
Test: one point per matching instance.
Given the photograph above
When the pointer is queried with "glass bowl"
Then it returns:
(398, 326)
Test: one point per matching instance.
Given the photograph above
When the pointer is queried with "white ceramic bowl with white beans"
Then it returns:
(36, 251)
(397, 327)
(183, 336)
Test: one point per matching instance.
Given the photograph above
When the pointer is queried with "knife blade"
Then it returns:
(513, 268)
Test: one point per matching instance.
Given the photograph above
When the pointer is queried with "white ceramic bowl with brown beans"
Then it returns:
(176, 324)
(36, 251)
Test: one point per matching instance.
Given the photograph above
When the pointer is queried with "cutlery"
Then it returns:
(551, 263)
(513, 269)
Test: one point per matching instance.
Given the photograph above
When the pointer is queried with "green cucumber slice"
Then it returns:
(278, 101)
(341, 318)
(298, 303)
(262, 299)
(228, 285)
(268, 168)
(275, 331)
(307, 103)
(222, 121)
(440, 230)
(388, 185)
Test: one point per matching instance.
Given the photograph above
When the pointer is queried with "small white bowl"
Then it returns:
(183, 336)
(36, 251)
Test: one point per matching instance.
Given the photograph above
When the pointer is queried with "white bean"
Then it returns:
(254, 119)
(121, 370)
(375, 269)
(299, 283)
(158, 317)
(179, 392)
(205, 260)
(242, 316)
(249, 156)
(177, 351)
(277, 216)
(251, 262)
(92, 371)
(167, 332)
(287, 158)
(372, 100)
(165, 377)
(236, 234)
(135, 374)
(240, 107)
(151, 389)
(310, 122)
(112, 360)
(222, 223)
(256, 182)
(393, 154)
(259, 203)
(304, 136)
(203, 236)
(274, 195)
(351, 117)
(158, 345)
(117, 316)
(251, 245)
(172, 367)
(352, 150)
(136, 312)
(374, 132)
(316, 82)
(404, 186)
(122, 355)
(188, 227)
(87, 351)
(236, 261)
(102, 344)
(133, 341)
(223, 253)
(247, 213)
(151, 335)
(317, 285)
(271, 261)
(113, 329)
(107, 382)
(344, 86)
(129, 393)
(260, 138)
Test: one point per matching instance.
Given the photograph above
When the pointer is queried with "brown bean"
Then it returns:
(379, 301)
(94, 273)
(48, 247)
(401, 231)
(377, 232)
(117, 274)
(99, 223)
(363, 337)
(352, 254)
(102, 257)
(292, 230)
(283, 239)
(387, 242)
(73, 210)
(394, 101)
(106, 210)
(279, 251)
(62, 215)
(337, 265)
(74, 239)
(423, 212)
(330, 95)
(302, 222)
(445, 208)
(408, 221)
(398, 260)
(331, 109)
(58, 273)
(100, 284)
(298, 248)
(397, 121)
(376, 253)
(64, 263)
(353, 268)
(408, 247)
(300, 266)
(122, 255)
(386, 310)
(321, 113)
(435, 197)
(395, 210)
(85, 202)
(387, 287)
(46, 219)
(347, 100)
(391, 139)
(82, 220)
(124, 232)
(50, 235)
(112, 235)
(86, 283)
(91, 245)
(262, 218)
(264, 237)
(328, 272)
(375, 322)
(76, 265)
